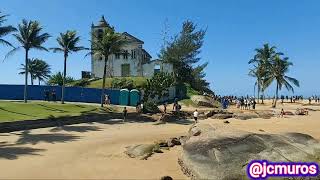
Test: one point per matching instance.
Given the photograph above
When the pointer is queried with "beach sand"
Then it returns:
(96, 150)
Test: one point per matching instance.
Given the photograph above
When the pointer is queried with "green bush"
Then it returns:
(151, 107)
(122, 83)
(81, 83)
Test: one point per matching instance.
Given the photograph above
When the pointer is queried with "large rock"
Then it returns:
(203, 100)
(142, 151)
(222, 116)
(245, 116)
(222, 153)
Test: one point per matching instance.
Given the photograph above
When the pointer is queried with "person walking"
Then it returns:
(106, 99)
(165, 107)
(282, 113)
(125, 114)
(195, 116)
(254, 104)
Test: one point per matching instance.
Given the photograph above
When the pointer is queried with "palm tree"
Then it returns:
(37, 68)
(261, 63)
(43, 70)
(57, 79)
(5, 30)
(278, 70)
(104, 44)
(29, 36)
(31, 69)
(68, 43)
(255, 73)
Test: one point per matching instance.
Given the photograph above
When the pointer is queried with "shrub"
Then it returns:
(158, 86)
(81, 83)
(151, 107)
(122, 83)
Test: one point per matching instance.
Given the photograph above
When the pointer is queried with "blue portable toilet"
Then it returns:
(124, 97)
(134, 97)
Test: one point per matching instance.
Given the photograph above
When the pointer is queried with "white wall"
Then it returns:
(148, 69)
(114, 65)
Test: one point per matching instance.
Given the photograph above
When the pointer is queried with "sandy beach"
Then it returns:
(96, 150)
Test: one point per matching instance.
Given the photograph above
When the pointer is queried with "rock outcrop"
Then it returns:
(222, 153)
(205, 101)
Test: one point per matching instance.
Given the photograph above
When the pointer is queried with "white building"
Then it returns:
(135, 62)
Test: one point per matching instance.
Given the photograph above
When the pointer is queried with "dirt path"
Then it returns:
(88, 151)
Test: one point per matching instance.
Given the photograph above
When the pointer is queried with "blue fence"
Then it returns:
(72, 94)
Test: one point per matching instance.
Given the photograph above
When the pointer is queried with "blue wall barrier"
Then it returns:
(72, 94)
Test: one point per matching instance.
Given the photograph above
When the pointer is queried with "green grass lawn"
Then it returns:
(16, 111)
(137, 81)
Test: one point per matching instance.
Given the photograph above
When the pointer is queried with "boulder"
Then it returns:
(166, 178)
(245, 116)
(289, 113)
(162, 143)
(202, 100)
(142, 151)
(222, 153)
(173, 142)
(222, 116)
(215, 111)
(194, 131)
(183, 139)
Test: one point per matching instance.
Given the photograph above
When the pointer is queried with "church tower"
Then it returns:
(97, 30)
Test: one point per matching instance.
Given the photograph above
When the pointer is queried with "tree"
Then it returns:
(43, 70)
(261, 62)
(278, 70)
(198, 81)
(68, 43)
(29, 36)
(37, 69)
(104, 44)
(57, 79)
(5, 30)
(158, 86)
(182, 52)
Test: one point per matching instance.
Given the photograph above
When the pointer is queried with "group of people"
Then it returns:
(292, 99)
(315, 98)
(176, 106)
(50, 95)
(246, 103)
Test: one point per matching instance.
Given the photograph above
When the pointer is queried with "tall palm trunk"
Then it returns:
(64, 77)
(258, 91)
(104, 79)
(31, 79)
(39, 82)
(276, 98)
(254, 90)
(25, 96)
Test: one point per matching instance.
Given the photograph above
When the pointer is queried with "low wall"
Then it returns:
(6, 127)
(72, 94)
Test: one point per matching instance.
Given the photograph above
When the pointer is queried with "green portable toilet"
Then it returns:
(134, 97)
(124, 97)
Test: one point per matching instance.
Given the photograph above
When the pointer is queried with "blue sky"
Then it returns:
(234, 29)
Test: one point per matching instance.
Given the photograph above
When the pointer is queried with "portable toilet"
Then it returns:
(124, 97)
(134, 97)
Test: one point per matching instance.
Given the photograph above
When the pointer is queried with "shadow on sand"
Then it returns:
(11, 151)
(27, 138)
(80, 129)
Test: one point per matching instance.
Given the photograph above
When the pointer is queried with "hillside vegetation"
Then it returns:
(121, 82)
